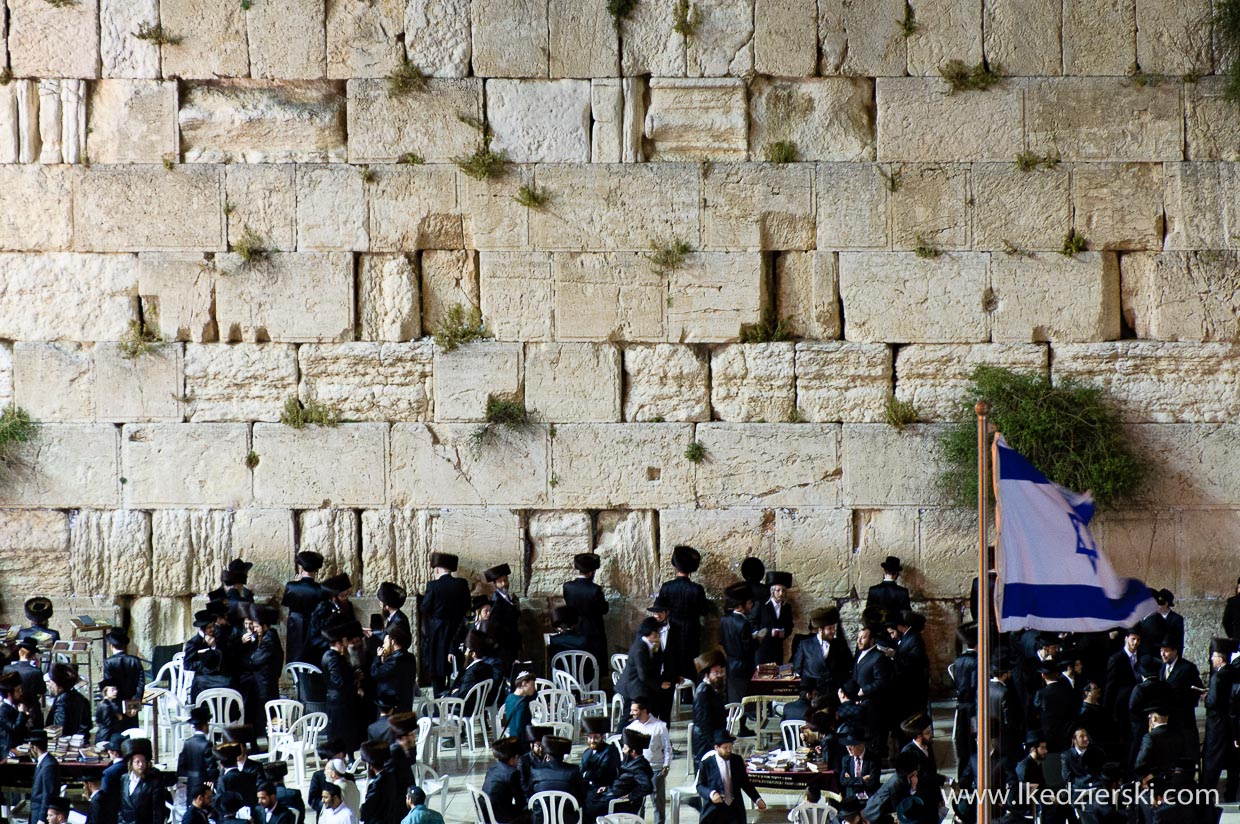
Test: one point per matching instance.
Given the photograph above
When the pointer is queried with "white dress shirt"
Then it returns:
(660, 750)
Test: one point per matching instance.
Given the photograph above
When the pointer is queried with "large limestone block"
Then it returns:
(785, 40)
(60, 40)
(901, 298)
(396, 547)
(1023, 210)
(1154, 382)
(838, 381)
(607, 296)
(584, 41)
(177, 465)
(807, 295)
(722, 41)
(510, 39)
(238, 382)
(697, 119)
(946, 554)
(815, 545)
(286, 40)
(1112, 119)
(515, 292)
(145, 388)
(81, 297)
(723, 536)
(666, 381)
(66, 466)
(1049, 297)
(778, 464)
(413, 207)
(110, 552)
(459, 465)
(649, 42)
(437, 36)
(920, 120)
(264, 537)
(931, 207)
(491, 216)
(1182, 295)
(1208, 540)
(287, 297)
(1023, 37)
(388, 298)
(261, 200)
(627, 544)
(50, 118)
(826, 118)
(449, 277)
(626, 206)
(606, 120)
(1201, 206)
(862, 40)
(343, 465)
(156, 622)
(333, 533)
(362, 37)
(482, 538)
(540, 121)
(758, 206)
(555, 537)
(1099, 37)
(1141, 544)
(1119, 205)
(177, 290)
(255, 121)
(935, 377)
(467, 376)
(381, 128)
(37, 559)
(1189, 465)
(54, 381)
(6, 374)
(369, 381)
(873, 451)
(577, 382)
(181, 208)
(122, 53)
(946, 30)
(1211, 134)
(621, 465)
(190, 548)
(1174, 38)
(753, 382)
(44, 223)
(853, 205)
(215, 39)
(713, 295)
(132, 121)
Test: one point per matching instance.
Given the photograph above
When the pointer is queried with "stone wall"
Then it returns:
(902, 246)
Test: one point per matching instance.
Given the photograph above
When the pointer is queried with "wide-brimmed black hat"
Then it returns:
(496, 572)
(752, 569)
(914, 724)
(28, 644)
(237, 572)
(63, 675)
(478, 642)
(586, 562)
(911, 810)
(268, 616)
(60, 804)
(203, 618)
(659, 604)
(851, 737)
(914, 620)
(445, 560)
(849, 807)
(1148, 666)
(1170, 642)
(1034, 738)
(394, 595)
(1163, 596)
(200, 714)
(376, 753)
(337, 584)
(479, 601)
(874, 617)
(722, 737)
(906, 762)
(686, 558)
(737, 595)
(37, 738)
(636, 739)
(309, 560)
(1223, 646)
(39, 609)
(782, 579)
(117, 637)
(342, 630)
(892, 564)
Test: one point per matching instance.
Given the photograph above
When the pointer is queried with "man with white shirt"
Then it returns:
(659, 753)
(721, 779)
(823, 660)
(335, 811)
(775, 616)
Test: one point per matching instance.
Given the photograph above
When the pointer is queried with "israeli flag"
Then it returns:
(1051, 573)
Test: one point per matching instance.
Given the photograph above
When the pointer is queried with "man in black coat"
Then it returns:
(204, 657)
(1222, 724)
(505, 615)
(402, 736)
(888, 596)
(1030, 772)
(736, 636)
(1151, 691)
(1121, 677)
(633, 783)
(384, 802)
(912, 665)
(344, 724)
(143, 794)
(643, 674)
(476, 671)
(964, 684)
(70, 709)
(335, 608)
(1162, 623)
(33, 687)
(394, 670)
(123, 669)
(1161, 748)
(687, 604)
(1057, 706)
(586, 597)
(858, 771)
(301, 596)
(823, 660)
(196, 763)
(392, 597)
(774, 614)
(444, 607)
(720, 781)
(600, 764)
(46, 784)
(1184, 680)
(709, 713)
(262, 662)
(553, 774)
(872, 671)
(234, 779)
(270, 810)
(502, 784)
(905, 784)
(1083, 761)
(1231, 615)
(234, 579)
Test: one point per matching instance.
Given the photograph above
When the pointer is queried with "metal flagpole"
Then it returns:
(984, 608)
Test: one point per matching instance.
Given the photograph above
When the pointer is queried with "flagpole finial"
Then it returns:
(982, 409)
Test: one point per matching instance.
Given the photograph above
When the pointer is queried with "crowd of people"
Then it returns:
(1088, 711)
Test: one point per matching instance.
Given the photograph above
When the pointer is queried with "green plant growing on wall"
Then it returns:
(367, 174)
(1030, 161)
(1012, 249)
(925, 249)
(251, 460)
(765, 332)
(1138, 77)
(459, 327)
(501, 412)
(899, 414)
(411, 159)
(485, 163)
(157, 35)
(909, 25)
(531, 197)
(406, 79)
(620, 10)
(246, 5)
(892, 179)
(686, 19)
(962, 78)
(695, 452)
(1068, 430)
(300, 415)
(780, 151)
(251, 247)
(6, 76)
(1073, 244)
(61, 4)
(666, 258)
(139, 339)
(16, 428)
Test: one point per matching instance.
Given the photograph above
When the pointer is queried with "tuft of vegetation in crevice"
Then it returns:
(1138, 77)
(61, 4)
(406, 79)
(1030, 161)
(138, 340)
(765, 332)
(246, 5)
(962, 78)
(909, 25)
(1073, 244)
(686, 19)
(925, 249)
(460, 327)
(695, 452)
(485, 163)
(899, 414)
(531, 197)
(6, 76)
(892, 179)
(620, 10)
(157, 35)
(504, 412)
(367, 174)
(251, 248)
(780, 151)
(251, 460)
(666, 258)
(299, 415)
(16, 428)
(411, 159)
(1013, 250)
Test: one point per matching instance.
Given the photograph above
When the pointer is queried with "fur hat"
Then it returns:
(478, 642)
(403, 723)
(39, 609)
(914, 724)
(64, 676)
(565, 616)
(342, 630)
(752, 569)
(636, 740)
(337, 584)
(505, 749)
(268, 616)
(596, 724)
(376, 753)
(237, 572)
(276, 770)
(586, 562)
(874, 617)
(709, 660)
(686, 558)
(556, 746)
(824, 617)
(496, 572)
(309, 560)
(782, 579)
(446, 560)
(394, 595)
(136, 746)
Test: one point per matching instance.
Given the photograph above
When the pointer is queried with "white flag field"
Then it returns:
(1051, 574)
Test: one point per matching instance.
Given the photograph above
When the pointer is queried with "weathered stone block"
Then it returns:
(6, 374)
(54, 381)
(286, 40)
(753, 382)
(466, 377)
(345, 465)
(649, 42)
(555, 537)
(1141, 544)
(262, 200)
(848, 382)
(133, 121)
(38, 556)
(621, 465)
(66, 466)
(1024, 38)
(331, 209)
(626, 206)
(482, 538)
(931, 207)
(191, 547)
(459, 465)
(778, 464)
(510, 39)
(1189, 465)
(919, 119)
(853, 205)
(362, 37)
(1023, 210)
(758, 206)
(449, 277)
(491, 216)
(86, 297)
(826, 118)
(256, 121)
(45, 221)
(666, 381)
(607, 120)
(264, 537)
(583, 39)
(815, 545)
(1182, 295)
(145, 388)
(1207, 539)
(1099, 37)
(935, 377)
(1119, 205)
(578, 382)
(381, 128)
(901, 298)
(696, 119)
(437, 36)
(1174, 38)
(288, 297)
(110, 552)
(540, 121)
(862, 40)
(627, 545)
(722, 41)
(180, 208)
(1095, 119)
(171, 465)
(807, 294)
(178, 294)
(48, 40)
(607, 296)
(870, 450)
(159, 622)
(369, 381)
(396, 547)
(122, 53)
(333, 533)
(388, 298)
(713, 294)
(946, 556)
(1211, 134)
(723, 536)
(413, 207)
(946, 30)
(215, 39)
(1049, 297)
(1201, 206)
(1153, 382)
(239, 382)
(785, 40)
(516, 294)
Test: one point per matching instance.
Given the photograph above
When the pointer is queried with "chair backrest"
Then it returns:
(423, 750)
(736, 712)
(306, 730)
(450, 710)
(282, 714)
(580, 664)
(295, 669)
(167, 671)
(564, 680)
(551, 805)
(619, 661)
(791, 732)
(227, 706)
(563, 729)
(621, 818)
(476, 698)
(553, 705)
(807, 813)
(483, 813)
(541, 684)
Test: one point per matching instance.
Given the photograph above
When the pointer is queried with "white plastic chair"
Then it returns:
(432, 783)
(618, 705)
(449, 726)
(735, 713)
(690, 764)
(425, 752)
(561, 729)
(554, 706)
(483, 812)
(620, 818)
(477, 698)
(581, 665)
(227, 708)
(791, 733)
(551, 805)
(807, 813)
(172, 711)
(541, 684)
(282, 714)
(678, 696)
(585, 702)
(618, 662)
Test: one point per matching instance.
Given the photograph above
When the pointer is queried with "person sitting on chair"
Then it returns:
(634, 782)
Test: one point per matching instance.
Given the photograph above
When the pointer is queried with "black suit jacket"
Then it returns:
(591, 604)
(46, 786)
(1058, 706)
(709, 780)
(1080, 769)
(384, 802)
(687, 605)
(874, 674)
(146, 804)
(861, 784)
(503, 786)
(709, 715)
(770, 648)
(71, 712)
(14, 727)
(197, 761)
(890, 596)
(554, 774)
(1184, 677)
(1120, 679)
(300, 597)
(443, 609)
(506, 623)
(241, 782)
(642, 674)
(824, 674)
(468, 678)
(279, 814)
(1231, 617)
(1160, 749)
(127, 672)
(395, 679)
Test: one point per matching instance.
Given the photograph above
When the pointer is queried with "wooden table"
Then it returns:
(765, 684)
(18, 773)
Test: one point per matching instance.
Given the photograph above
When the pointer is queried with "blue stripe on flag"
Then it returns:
(1014, 467)
(1074, 601)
